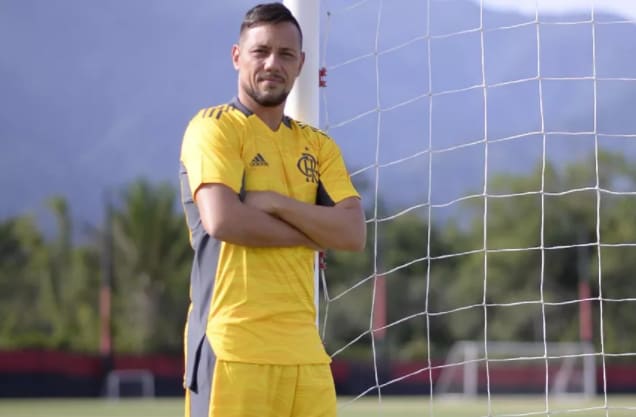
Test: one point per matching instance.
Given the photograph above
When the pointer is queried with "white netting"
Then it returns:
(460, 115)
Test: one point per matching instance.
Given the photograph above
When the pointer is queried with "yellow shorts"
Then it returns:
(252, 390)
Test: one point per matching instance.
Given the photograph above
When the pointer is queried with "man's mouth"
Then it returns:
(272, 79)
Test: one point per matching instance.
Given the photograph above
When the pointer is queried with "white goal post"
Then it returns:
(303, 103)
(143, 379)
(471, 367)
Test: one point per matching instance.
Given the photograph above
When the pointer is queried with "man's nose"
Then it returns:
(272, 61)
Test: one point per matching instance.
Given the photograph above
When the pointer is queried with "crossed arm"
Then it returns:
(269, 219)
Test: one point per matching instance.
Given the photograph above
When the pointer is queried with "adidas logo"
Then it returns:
(258, 161)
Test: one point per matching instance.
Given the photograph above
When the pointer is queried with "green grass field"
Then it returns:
(617, 406)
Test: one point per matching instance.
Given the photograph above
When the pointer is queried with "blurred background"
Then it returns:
(493, 143)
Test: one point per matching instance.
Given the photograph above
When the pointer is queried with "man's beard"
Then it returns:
(265, 99)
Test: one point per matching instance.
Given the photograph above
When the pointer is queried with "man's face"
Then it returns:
(268, 59)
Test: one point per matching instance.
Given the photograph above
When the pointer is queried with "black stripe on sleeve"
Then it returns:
(322, 196)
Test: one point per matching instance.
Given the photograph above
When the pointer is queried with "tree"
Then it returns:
(47, 294)
(544, 277)
(19, 242)
(152, 259)
(401, 259)
(539, 244)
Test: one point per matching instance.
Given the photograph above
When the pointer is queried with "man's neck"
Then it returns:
(271, 116)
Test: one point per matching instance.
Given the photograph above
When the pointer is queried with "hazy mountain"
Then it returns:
(96, 95)
(539, 78)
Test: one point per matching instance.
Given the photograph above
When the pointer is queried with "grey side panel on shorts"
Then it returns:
(204, 374)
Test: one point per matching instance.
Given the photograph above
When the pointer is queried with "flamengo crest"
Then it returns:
(308, 166)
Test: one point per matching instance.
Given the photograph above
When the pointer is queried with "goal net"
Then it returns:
(493, 143)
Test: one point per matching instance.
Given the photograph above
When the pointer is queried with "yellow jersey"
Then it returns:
(256, 305)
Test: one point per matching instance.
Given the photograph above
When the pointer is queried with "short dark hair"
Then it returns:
(269, 13)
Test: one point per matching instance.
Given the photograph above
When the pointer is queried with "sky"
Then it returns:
(86, 84)
(627, 8)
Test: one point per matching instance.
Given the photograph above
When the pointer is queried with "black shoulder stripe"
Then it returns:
(212, 112)
(313, 129)
(218, 111)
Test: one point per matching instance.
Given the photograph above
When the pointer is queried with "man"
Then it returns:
(262, 193)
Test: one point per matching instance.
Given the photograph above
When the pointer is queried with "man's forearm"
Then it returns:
(252, 227)
(226, 218)
(339, 227)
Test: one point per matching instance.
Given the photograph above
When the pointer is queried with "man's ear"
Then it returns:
(235, 56)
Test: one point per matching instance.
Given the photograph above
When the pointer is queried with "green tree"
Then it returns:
(47, 297)
(69, 286)
(541, 246)
(397, 253)
(19, 242)
(538, 244)
(152, 259)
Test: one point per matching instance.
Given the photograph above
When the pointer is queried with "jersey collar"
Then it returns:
(236, 103)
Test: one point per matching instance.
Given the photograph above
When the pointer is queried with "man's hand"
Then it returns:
(266, 201)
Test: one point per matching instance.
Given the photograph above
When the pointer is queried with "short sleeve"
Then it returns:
(211, 152)
(335, 182)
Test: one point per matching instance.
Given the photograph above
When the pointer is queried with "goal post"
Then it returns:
(130, 382)
(303, 103)
(475, 367)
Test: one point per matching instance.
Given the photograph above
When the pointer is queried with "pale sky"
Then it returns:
(626, 8)
(116, 82)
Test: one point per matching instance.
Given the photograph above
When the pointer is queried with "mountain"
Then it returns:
(95, 95)
(539, 78)
(98, 94)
